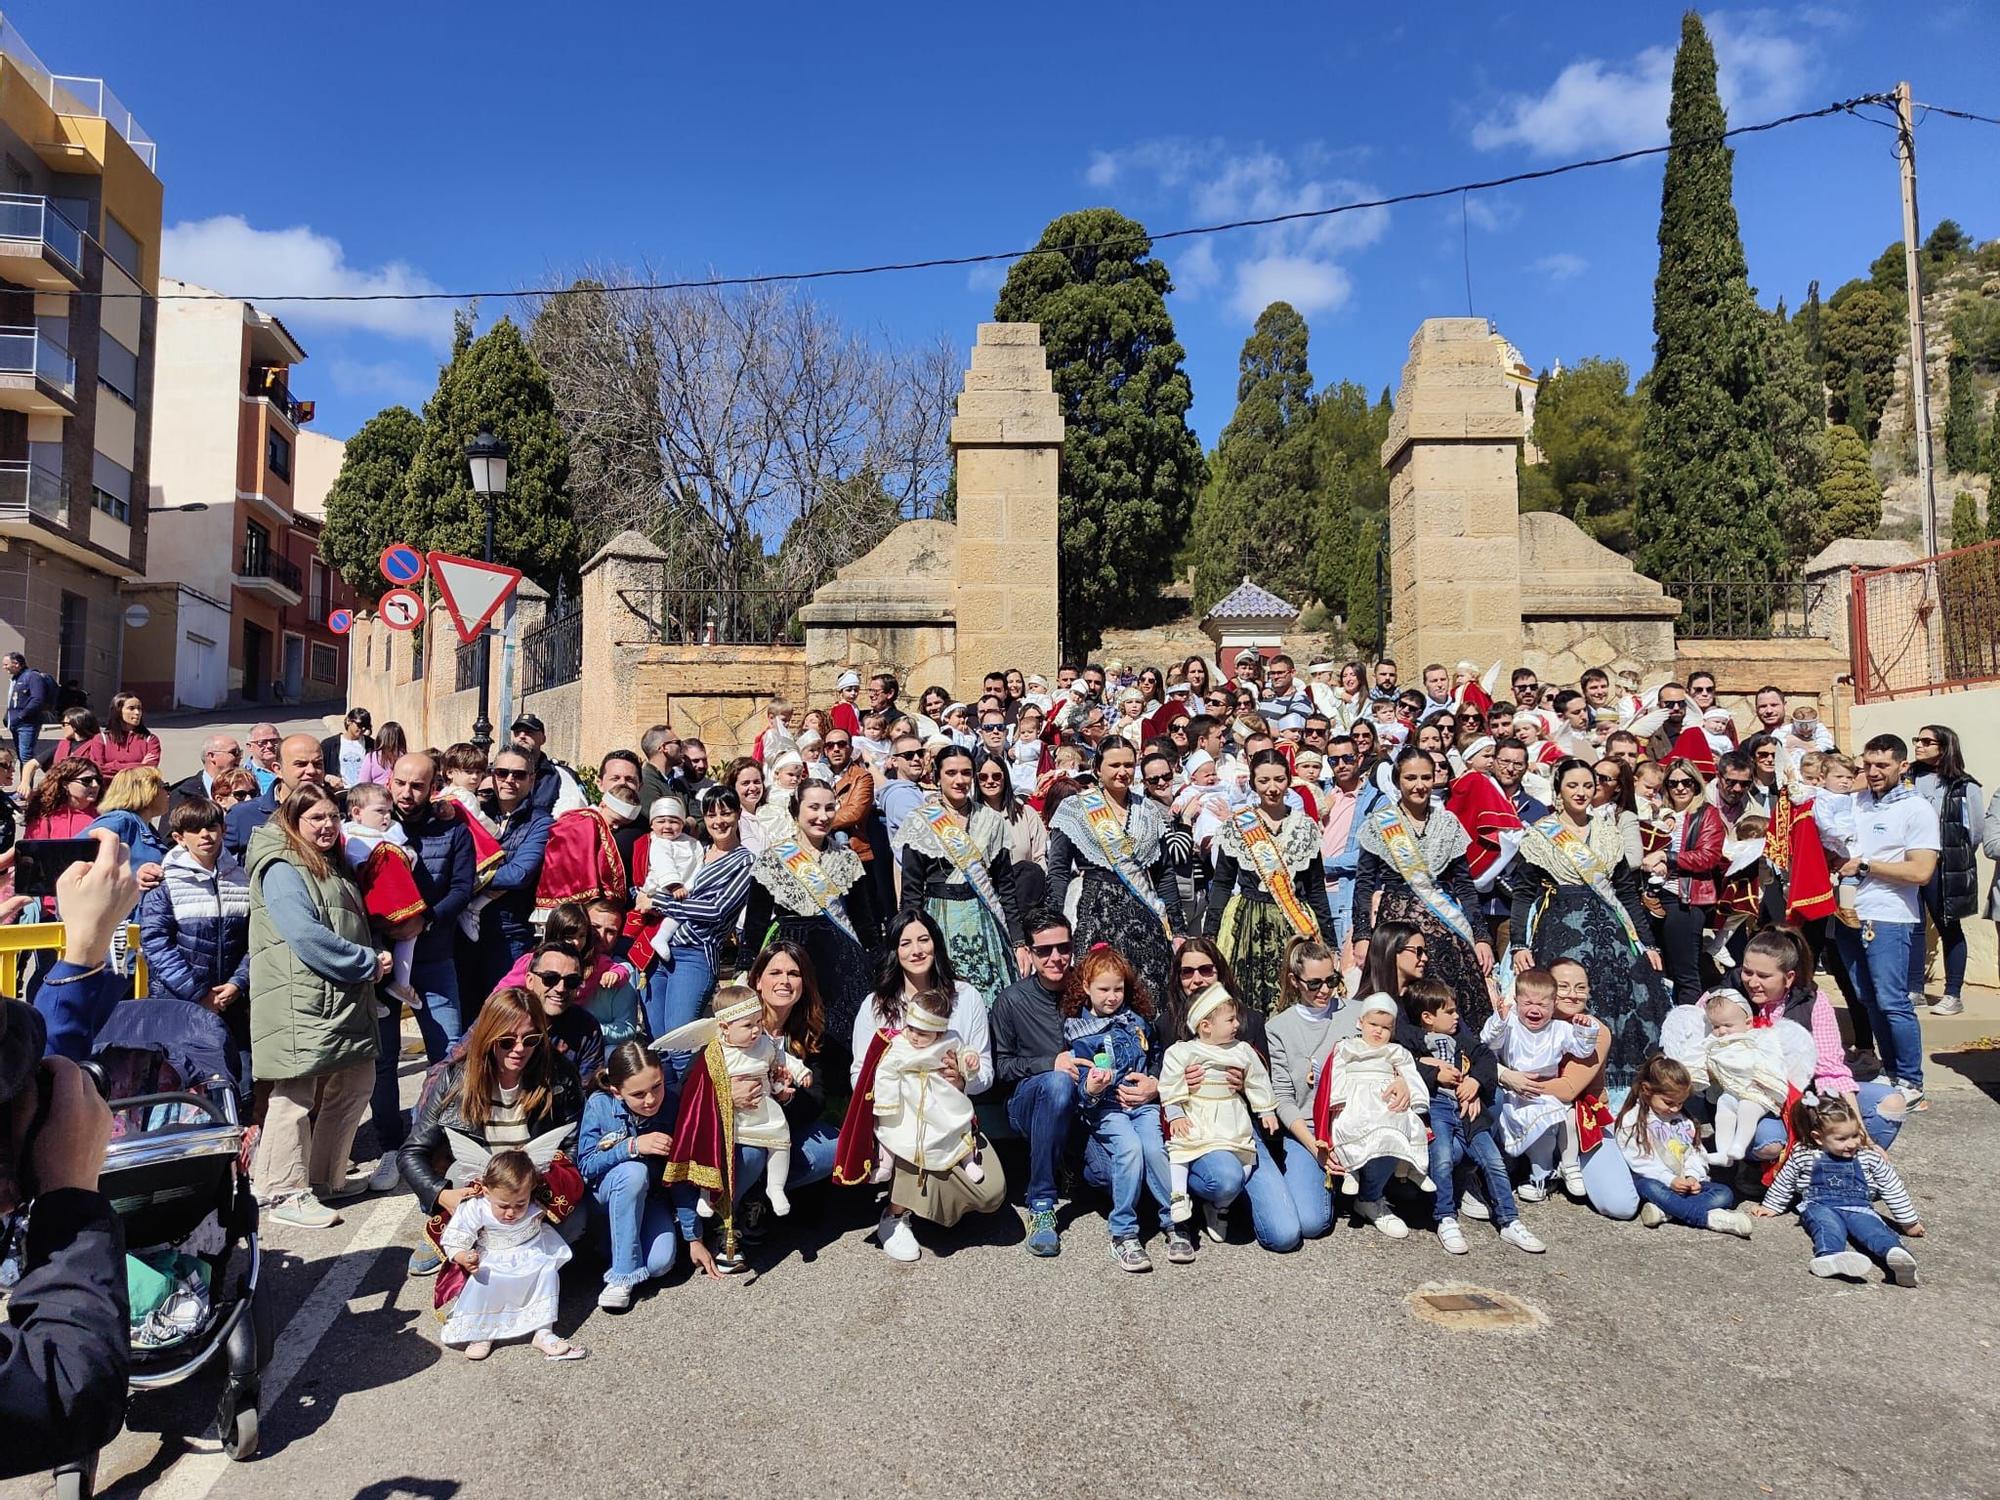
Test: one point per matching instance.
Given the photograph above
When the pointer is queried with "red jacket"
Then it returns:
(110, 757)
(1695, 869)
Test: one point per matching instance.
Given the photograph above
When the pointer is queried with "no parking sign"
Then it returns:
(340, 621)
(401, 564)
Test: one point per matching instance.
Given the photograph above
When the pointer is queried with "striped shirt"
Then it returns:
(1794, 1180)
(713, 904)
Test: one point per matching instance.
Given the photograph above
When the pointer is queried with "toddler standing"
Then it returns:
(511, 1257)
(1530, 1043)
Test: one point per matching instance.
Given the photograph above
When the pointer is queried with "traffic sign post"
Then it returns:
(401, 564)
(401, 609)
(472, 591)
(340, 621)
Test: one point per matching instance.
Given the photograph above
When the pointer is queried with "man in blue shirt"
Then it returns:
(31, 701)
(444, 867)
(901, 790)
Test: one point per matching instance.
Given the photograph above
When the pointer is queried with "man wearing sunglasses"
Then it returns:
(220, 754)
(855, 814)
(506, 926)
(556, 978)
(1034, 1073)
(902, 789)
(261, 756)
(1345, 808)
(1660, 744)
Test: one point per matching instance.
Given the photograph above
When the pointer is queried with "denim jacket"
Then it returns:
(604, 1140)
(1128, 1038)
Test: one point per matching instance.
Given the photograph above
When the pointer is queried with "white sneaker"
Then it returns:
(1472, 1206)
(615, 1298)
(704, 1206)
(1532, 1192)
(1521, 1237)
(1181, 1209)
(901, 1243)
(1902, 1267)
(1214, 1223)
(1729, 1221)
(1948, 1005)
(1913, 1093)
(1572, 1175)
(1375, 1211)
(1452, 1237)
(1652, 1215)
(1842, 1263)
(386, 1177)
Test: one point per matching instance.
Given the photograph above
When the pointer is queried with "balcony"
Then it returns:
(84, 97)
(269, 383)
(37, 375)
(31, 496)
(269, 576)
(39, 246)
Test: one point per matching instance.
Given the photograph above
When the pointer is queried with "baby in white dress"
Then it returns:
(1364, 1127)
(1748, 1065)
(511, 1256)
(1214, 1116)
(921, 1117)
(1527, 1038)
(748, 1051)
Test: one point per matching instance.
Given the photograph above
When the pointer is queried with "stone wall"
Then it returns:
(893, 610)
(1583, 605)
(1805, 671)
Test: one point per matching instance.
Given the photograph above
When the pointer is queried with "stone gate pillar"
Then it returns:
(1454, 507)
(1007, 440)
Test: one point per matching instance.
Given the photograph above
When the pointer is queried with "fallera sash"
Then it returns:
(803, 866)
(956, 839)
(1407, 855)
(1107, 829)
(1594, 872)
(1269, 862)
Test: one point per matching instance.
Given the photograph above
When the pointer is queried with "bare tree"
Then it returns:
(759, 441)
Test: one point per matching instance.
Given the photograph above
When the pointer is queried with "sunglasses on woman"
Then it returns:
(1679, 784)
(527, 1041)
(240, 796)
(1197, 971)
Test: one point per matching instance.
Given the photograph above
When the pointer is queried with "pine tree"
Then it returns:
(1850, 497)
(1707, 472)
(493, 382)
(1862, 331)
(364, 506)
(1966, 530)
(1961, 417)
(1587, 426)
(1257, 512)
(1131, 467)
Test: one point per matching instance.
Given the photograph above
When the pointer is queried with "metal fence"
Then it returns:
(468, 667)
(1754, 609)
(678, 616)
(552, 653)
(1927, 625)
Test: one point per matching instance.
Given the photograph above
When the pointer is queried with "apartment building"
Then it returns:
(79, 267)
(235, 595)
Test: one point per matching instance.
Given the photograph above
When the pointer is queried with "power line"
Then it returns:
(1958, 114)
(944, 262)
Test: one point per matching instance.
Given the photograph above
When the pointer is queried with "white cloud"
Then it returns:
(227, 255)
(987, 276)
(1195, 268)
(1598, 106)
(1561, 266)
(1311, 286)
(1168, 161)
(1490, 211)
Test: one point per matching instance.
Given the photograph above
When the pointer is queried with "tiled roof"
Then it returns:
(1249, 602)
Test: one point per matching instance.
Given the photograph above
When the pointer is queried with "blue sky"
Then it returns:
(315, 148)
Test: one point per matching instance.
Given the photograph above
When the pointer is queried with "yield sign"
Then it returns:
(473, 591)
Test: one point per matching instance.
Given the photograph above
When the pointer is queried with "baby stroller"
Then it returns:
(179, 1087)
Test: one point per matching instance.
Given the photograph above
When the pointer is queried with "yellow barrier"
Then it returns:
(37, 937)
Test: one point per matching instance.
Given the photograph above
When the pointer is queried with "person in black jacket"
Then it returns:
(65, 1350)
(357, 730)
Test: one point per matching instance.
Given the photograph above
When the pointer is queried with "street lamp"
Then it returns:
(486, 456)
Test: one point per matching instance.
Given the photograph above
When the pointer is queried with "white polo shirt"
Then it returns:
(1891, 830)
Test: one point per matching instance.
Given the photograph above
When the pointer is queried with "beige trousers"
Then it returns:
(300, 1149)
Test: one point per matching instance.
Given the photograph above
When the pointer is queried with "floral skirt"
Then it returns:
(1108, 913)
(1253, 937)
(978, 949)
(1627, 994)
(1450, 959)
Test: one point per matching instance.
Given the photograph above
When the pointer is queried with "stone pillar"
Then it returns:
(1454, 507)
(626, 569)
(1007, 440)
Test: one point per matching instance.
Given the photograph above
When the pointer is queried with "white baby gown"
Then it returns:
(1365, 1128)
(764, 1123)
(919, 1117)
(1539, 1054)
(1218, 1117)
(513, 1293)
(1758, 1066)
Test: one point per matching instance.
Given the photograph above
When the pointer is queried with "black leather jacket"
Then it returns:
(427, 1153)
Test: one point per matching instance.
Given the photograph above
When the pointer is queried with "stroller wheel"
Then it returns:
(236, 1420)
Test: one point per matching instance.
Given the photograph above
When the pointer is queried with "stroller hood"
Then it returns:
(192, 1038)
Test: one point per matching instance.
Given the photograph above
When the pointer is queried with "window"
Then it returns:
(111, 488)
(278, 454)
(368, 655)
(317, 596)
(121, 246)
(325, 662)
(256, 550)
(117, 368)
(416, 652)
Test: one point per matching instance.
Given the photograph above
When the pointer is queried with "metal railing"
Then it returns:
(47, 938)
(261, 562)
(30, 492)
(552, 653)
(29, 216)
(679, 616)
(278, 392)
(92, 98)
(467, 672)
(1926, 626)
(1753, 609)
(29, 351)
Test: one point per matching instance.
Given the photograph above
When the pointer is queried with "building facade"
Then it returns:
(79, 270)
(235, 595)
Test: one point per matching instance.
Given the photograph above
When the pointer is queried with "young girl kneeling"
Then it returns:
(511, 1259)
(1663, 1148)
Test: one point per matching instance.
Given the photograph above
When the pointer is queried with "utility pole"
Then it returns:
(1920, 384)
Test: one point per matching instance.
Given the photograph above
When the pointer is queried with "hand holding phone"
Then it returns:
(39, 863)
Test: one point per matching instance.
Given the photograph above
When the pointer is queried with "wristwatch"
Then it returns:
(1862, 869)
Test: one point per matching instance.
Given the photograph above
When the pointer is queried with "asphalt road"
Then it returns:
(1666, 1362)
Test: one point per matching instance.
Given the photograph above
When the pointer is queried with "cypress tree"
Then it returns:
(1364, 606)
(1814, 338)
(1131, 466)
(1854, 411)
(1961, 417)
(364, 506)
(1707, 471)
(1850, 496)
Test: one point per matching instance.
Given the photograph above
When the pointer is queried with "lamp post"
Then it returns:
(486, 456)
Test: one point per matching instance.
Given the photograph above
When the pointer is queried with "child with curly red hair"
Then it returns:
(1108, 1023)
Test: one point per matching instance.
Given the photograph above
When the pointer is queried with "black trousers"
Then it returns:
(1681, 933)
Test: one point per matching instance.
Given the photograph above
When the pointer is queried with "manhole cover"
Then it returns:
(1472, 1309)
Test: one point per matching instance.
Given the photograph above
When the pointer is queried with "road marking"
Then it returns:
(192, 1477)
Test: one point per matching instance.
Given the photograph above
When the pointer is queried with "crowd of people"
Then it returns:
(1287, 943)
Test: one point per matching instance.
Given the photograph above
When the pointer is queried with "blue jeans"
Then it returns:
(1881, 974)
(1340, 901)
(812, 1159)
(677, 988)
(1125, 1152)
(1832, 1229)
(637, 1222)
(1608, 1183)
(1453, 1142)
(1221, 1178)
(1691, 1209)
(437, 1022)
(1305, 1180)
(437, 982)
(25, 736)
(1951, 937)
(1041, 1110)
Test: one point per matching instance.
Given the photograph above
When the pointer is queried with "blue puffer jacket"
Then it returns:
(194, 927)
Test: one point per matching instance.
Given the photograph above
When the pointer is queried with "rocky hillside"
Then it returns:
(1895, 446)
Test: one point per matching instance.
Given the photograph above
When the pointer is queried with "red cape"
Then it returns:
(1479, 804)
(581, 863)
(1808, 882)
(704, 1148)
(389, 890)
(1693, 746)
(854, 1156)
